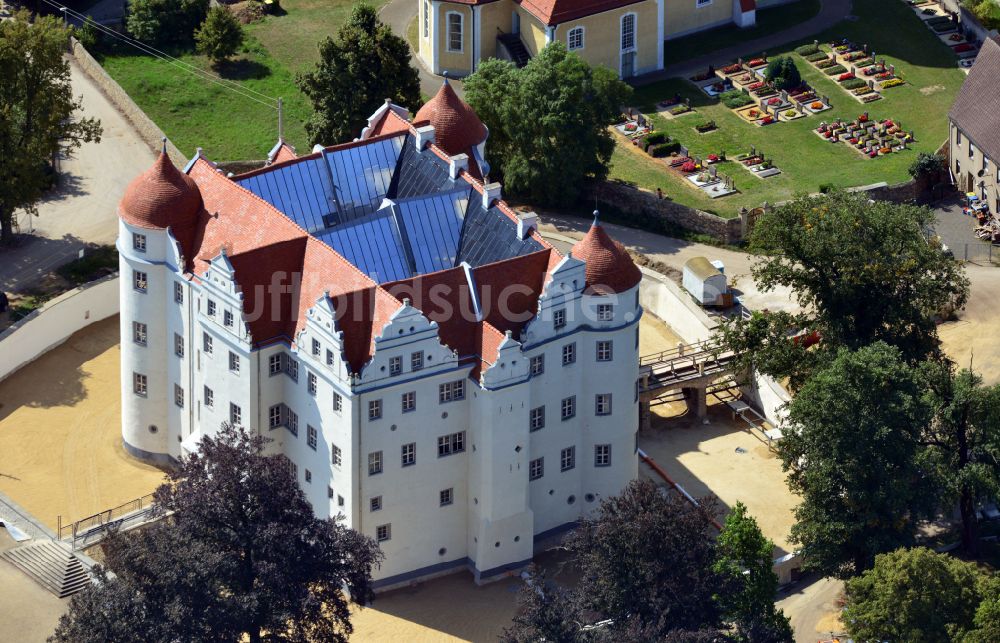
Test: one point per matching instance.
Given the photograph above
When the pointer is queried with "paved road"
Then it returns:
(81, 210)
(811, 605)
(398, 14)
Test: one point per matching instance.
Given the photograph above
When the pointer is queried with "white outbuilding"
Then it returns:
(704, 281)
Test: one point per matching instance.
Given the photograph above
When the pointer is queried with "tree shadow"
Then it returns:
(242, 69)
(24, 265)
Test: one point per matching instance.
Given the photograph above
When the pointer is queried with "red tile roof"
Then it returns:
(508, 290)
(553, 12)
(285, 153)
(161, 196)
(610, 269)
(390, 123)
(457, 128)
(748, 5)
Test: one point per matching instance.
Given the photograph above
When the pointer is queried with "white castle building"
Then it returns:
(436, 372)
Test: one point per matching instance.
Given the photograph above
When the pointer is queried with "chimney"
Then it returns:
(456, 164)
(425, 136)
(491, 193)
(526, 222)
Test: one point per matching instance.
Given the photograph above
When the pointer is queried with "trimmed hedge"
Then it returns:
(656, 138)
(735, 99)
(807, 50)
(818, 56)
(836, 69)
(664, 149)
(853, 83)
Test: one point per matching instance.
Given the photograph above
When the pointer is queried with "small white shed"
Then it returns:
(704, 281)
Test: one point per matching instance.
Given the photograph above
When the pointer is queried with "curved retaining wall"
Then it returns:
(55, 321)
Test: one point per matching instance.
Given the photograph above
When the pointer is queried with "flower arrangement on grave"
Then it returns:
(732, 69)
(863, 118)
(767, 120)
(873, 154)
(872, 97)
(758, 62)
(755, 86)
(704, 177)
(962, 48)
(774, 101)
(689, 167)
(893, 82)
(817, 105)
(885, 75)
(746, 78)
(791, 113)
(840, 49)
(753, 113)
(956, 37)
(828, 134)
(823, 64)
(855, 55)
(846, 76)
(680, 109)
(885, 150)
(874, 69)
(631, 127)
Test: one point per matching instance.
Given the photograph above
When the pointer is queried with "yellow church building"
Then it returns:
(624, 35)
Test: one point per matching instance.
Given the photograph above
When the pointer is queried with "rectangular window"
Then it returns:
(536, 468)
(395, 365)
(274, 364)
(383, 533)
(446, 496)
(602, 455)
(178, 345)
(408, 454)
(274, 416)
(292, 368)
(139, 333)
(340, 501)
(311, 383)
(139, 281)
(374, 463)
(559, 318)
(235, 414)
(227, 319)
(628, 32)
(416, 360)
(206, 343)
(211, 308)
(537, 364)
(567, 458)
(329, 493)
(568, 409)
(309, 475)
(375, 503)
(338, 402)
(569, 354)
(209, 396)
(316, 348)
(958, 137)
(234, 362)
(178, 396)
(602, 404)
(449, 444)
(604, 351)
(703, 3)
(139, 241)
(139, 384)
(454, 31)
(291, 421)
(311, 437)
(374, 409)
(536, 419)
(574, 40)
(336, 455)
(329, 357)
(972, 150)
(605, 312)
(178, 292)
(409, 401)
(451, 391)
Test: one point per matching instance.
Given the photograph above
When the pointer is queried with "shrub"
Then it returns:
(707, 126)
(818, 56)
(220, 36)
(664, 149)
(926, 166)
(680, 109)
(836, 69)
(853, 83)
(657, 138)
(158, 22)
(783, 73)
(735, 99)
(806, 50)
(825, 188)
(988, 14)
(88, 34)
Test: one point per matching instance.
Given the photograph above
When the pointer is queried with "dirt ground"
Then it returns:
(60, 432)
(971, 338)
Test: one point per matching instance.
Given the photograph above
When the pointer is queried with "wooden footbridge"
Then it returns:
(690, 373)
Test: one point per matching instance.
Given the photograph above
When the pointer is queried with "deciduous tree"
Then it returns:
(783, 73)
(241, 555)
(40, 116)
(366, 64)
(165, 22)
(548, 121)
(220, 36)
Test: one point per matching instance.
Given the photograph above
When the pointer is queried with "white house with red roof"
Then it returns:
(434, 371)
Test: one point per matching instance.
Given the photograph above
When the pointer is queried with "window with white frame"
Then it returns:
(338, 402)
(139, 242)
(446, 496)
(408, 454)
(227, 319)
(209, 397)
(604, 351)
(449, 444)
(316, 348)
(309, 475)
(416, 360)
(569, 353)
(235, 414)
(628, 32)
(374, 463)
(451, 391)
(605, 312)
(567, 458)
(139, 384)
(375, 503)
(568, 409)
(559, 318)
(455, 25)
(206, 343)
(329, 357)
(374, 409)
(395, 365)
(178, 292)
(210, 307)
(234, 362)
(178, 396)
(291, 368)
(274, 416)
(139, 280)
(291, 421)
(409, 401)
(329, 493)
(536, 419)
(340, 501)
(139, 333)
(274, 364)
(336, 455)
(383, 532)
(178, 345)
(311, 436)
(574, 39)
(537, 364)
(602, 404)
(536, 468)
(602, 455)
(311, 383)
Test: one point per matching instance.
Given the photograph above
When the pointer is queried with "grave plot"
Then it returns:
(635, 126)
(868, 137)
(757, 164)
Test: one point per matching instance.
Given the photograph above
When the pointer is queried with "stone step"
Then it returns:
(52, 565)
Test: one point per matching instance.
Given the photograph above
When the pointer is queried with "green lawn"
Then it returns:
(806, 161)
(198, 113)
(769, 21)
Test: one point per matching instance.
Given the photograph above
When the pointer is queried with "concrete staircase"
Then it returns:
(52, 565)
(515, 47)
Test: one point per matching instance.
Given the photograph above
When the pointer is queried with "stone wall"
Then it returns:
(147, 129)
(646, 207)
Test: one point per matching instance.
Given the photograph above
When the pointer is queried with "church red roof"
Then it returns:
(610, 269)
(553, 12)
(457, 128)
(161, 196)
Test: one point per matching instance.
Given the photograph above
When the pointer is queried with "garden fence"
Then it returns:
(981, 254)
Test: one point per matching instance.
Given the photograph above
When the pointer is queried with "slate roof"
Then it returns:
(977, 109)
